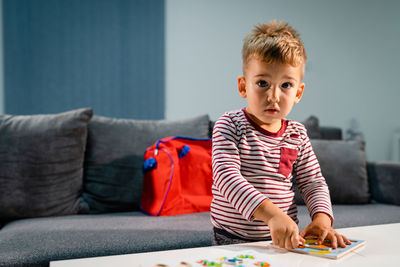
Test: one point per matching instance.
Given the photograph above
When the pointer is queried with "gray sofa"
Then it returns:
(70, 187)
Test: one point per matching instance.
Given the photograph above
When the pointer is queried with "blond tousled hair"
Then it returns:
(274, 42)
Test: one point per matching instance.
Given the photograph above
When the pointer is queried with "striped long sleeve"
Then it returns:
(251, 165)
(311, 183)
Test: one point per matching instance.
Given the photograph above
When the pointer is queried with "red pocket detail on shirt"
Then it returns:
(288, 157)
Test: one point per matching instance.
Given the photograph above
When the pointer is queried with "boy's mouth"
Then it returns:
(272, 110)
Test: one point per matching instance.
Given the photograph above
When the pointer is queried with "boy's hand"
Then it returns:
(284, 231)
(321, 227)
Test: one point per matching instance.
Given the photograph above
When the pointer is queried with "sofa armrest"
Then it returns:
(384, 181)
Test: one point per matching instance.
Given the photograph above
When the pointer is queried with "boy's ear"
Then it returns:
(242, 86)
(299, 93)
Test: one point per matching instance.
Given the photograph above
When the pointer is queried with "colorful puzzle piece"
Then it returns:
(239, 261)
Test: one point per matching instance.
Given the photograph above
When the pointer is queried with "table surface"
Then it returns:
(381, 249)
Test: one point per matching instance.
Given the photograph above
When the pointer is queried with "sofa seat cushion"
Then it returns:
(114, 160)
(356, 215)
(38, 241)
(41, 163)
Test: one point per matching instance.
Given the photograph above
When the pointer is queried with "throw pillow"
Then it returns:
(114, 160)
(41, 163)
(344, 166)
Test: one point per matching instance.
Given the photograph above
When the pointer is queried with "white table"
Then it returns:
(382, 249)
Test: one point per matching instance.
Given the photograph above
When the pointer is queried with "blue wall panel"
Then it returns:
(105, 54)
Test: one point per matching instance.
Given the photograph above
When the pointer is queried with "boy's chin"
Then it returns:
(266, 119)
(270, 119)
(269, 122)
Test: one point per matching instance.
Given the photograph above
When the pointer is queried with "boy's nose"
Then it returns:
(273, 95)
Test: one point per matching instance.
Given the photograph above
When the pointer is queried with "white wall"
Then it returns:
(352, 71)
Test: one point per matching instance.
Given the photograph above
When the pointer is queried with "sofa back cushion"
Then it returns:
(114, 159)
(41, 163)
(384, 181)
(343, 164)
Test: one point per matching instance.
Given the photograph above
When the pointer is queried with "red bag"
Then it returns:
(177, 176)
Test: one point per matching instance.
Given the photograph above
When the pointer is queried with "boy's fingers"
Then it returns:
(333, 240)
(274, 239)
(341, 241)
(346, 240)
(282, 243)
(288, 242)
(277, 240)
(322, 237)
(302, 240)
(304, 232)
(295, 240)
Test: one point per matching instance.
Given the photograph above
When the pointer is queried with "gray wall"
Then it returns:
(352, 71)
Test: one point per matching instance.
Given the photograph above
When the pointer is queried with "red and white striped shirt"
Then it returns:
(251, 165)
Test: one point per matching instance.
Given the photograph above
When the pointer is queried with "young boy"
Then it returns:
(256, 150)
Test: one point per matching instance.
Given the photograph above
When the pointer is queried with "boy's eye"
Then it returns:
(286, 85)
(263, 83)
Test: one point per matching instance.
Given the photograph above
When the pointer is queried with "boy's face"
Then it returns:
(271, 91)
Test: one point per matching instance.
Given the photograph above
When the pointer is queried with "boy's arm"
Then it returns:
(311, 183)
(226, 170)
(315, 192)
